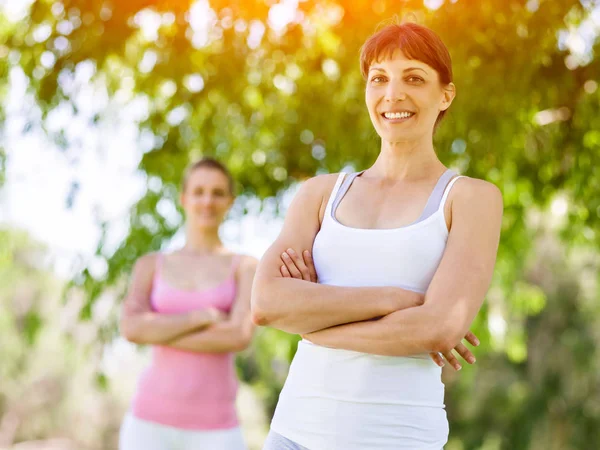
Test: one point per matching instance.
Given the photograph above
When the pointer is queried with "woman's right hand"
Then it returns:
(303, 268)
(208, 316)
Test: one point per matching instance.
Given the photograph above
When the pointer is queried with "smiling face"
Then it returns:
(206, 197)
(405, 97)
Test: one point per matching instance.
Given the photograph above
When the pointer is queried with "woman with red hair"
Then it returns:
(404, 252)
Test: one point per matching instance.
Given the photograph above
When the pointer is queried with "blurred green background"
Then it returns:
(104, 102)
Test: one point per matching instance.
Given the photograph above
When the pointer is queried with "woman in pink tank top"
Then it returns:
(193, 307)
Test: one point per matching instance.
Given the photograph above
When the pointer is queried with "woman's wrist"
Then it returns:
(399, 298)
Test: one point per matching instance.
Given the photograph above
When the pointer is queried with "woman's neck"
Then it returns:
(411, 160)
(206, 241)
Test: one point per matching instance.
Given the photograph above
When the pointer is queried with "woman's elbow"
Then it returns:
(260, 307)
(258, 316)
(244, 337)
(129, 334)
(129, 331)
(242, 343)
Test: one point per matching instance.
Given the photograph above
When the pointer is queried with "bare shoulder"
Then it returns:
(247, 264)
(320, 185)
(248, 261)
(467, 189)
(318, 189)
(146, 263)
(323, 180)
(475, 198)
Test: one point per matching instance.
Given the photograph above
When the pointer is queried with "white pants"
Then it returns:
(137, 434)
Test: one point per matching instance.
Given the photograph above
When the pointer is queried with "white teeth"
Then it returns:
(397, 115)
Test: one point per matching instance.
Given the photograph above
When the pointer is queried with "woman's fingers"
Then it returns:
(299, 263)
(298, 266)
(437, 358)
(285, 273)
(291, 266)
(461, 349)
(465, 353)
(310, 264)
(472, 339)
(452, 360)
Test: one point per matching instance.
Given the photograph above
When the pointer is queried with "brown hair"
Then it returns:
(208, 163)
(416, 42)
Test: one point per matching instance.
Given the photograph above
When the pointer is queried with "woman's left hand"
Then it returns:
(463, 351)
(303, 268)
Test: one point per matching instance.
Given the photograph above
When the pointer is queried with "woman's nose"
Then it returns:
(207, 200)
(395, 92)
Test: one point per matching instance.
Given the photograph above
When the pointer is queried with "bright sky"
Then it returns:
(103, 161)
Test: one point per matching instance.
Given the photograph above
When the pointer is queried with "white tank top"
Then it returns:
(345, 400)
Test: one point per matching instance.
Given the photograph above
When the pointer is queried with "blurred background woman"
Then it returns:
(193, 307)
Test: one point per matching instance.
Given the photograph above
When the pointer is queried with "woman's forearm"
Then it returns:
(407, 332)
(149, 327)
(223, 337)
(301, 307)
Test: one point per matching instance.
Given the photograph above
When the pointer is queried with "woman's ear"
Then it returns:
(449, 94)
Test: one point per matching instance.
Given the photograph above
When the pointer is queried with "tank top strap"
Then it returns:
(334, 192)
(341, 192)
(447, 190)
(433, 202)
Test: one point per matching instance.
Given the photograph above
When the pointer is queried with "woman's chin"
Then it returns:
(403, 137)
(206, 224)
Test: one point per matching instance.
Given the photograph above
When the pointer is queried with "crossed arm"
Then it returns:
(206, 330)
(298, 307)
(435, 324)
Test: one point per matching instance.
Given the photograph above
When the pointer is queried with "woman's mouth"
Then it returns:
(397, 116)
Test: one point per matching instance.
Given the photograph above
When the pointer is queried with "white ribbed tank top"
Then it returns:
(344, 400)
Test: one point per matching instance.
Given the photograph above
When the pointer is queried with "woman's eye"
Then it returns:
(415, 79)
(377, 79)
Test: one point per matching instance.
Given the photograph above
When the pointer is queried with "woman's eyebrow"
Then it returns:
(415, 68)
(379, 69)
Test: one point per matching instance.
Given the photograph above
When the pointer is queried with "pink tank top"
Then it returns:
(186, 389)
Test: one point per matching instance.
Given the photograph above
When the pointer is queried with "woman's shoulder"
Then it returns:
(323, 181)
(316, 191)
(245, 262)
(320, 185)
(149, 259)
(146, 264)
(469, 187)
(244, 257)
(474, 193)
